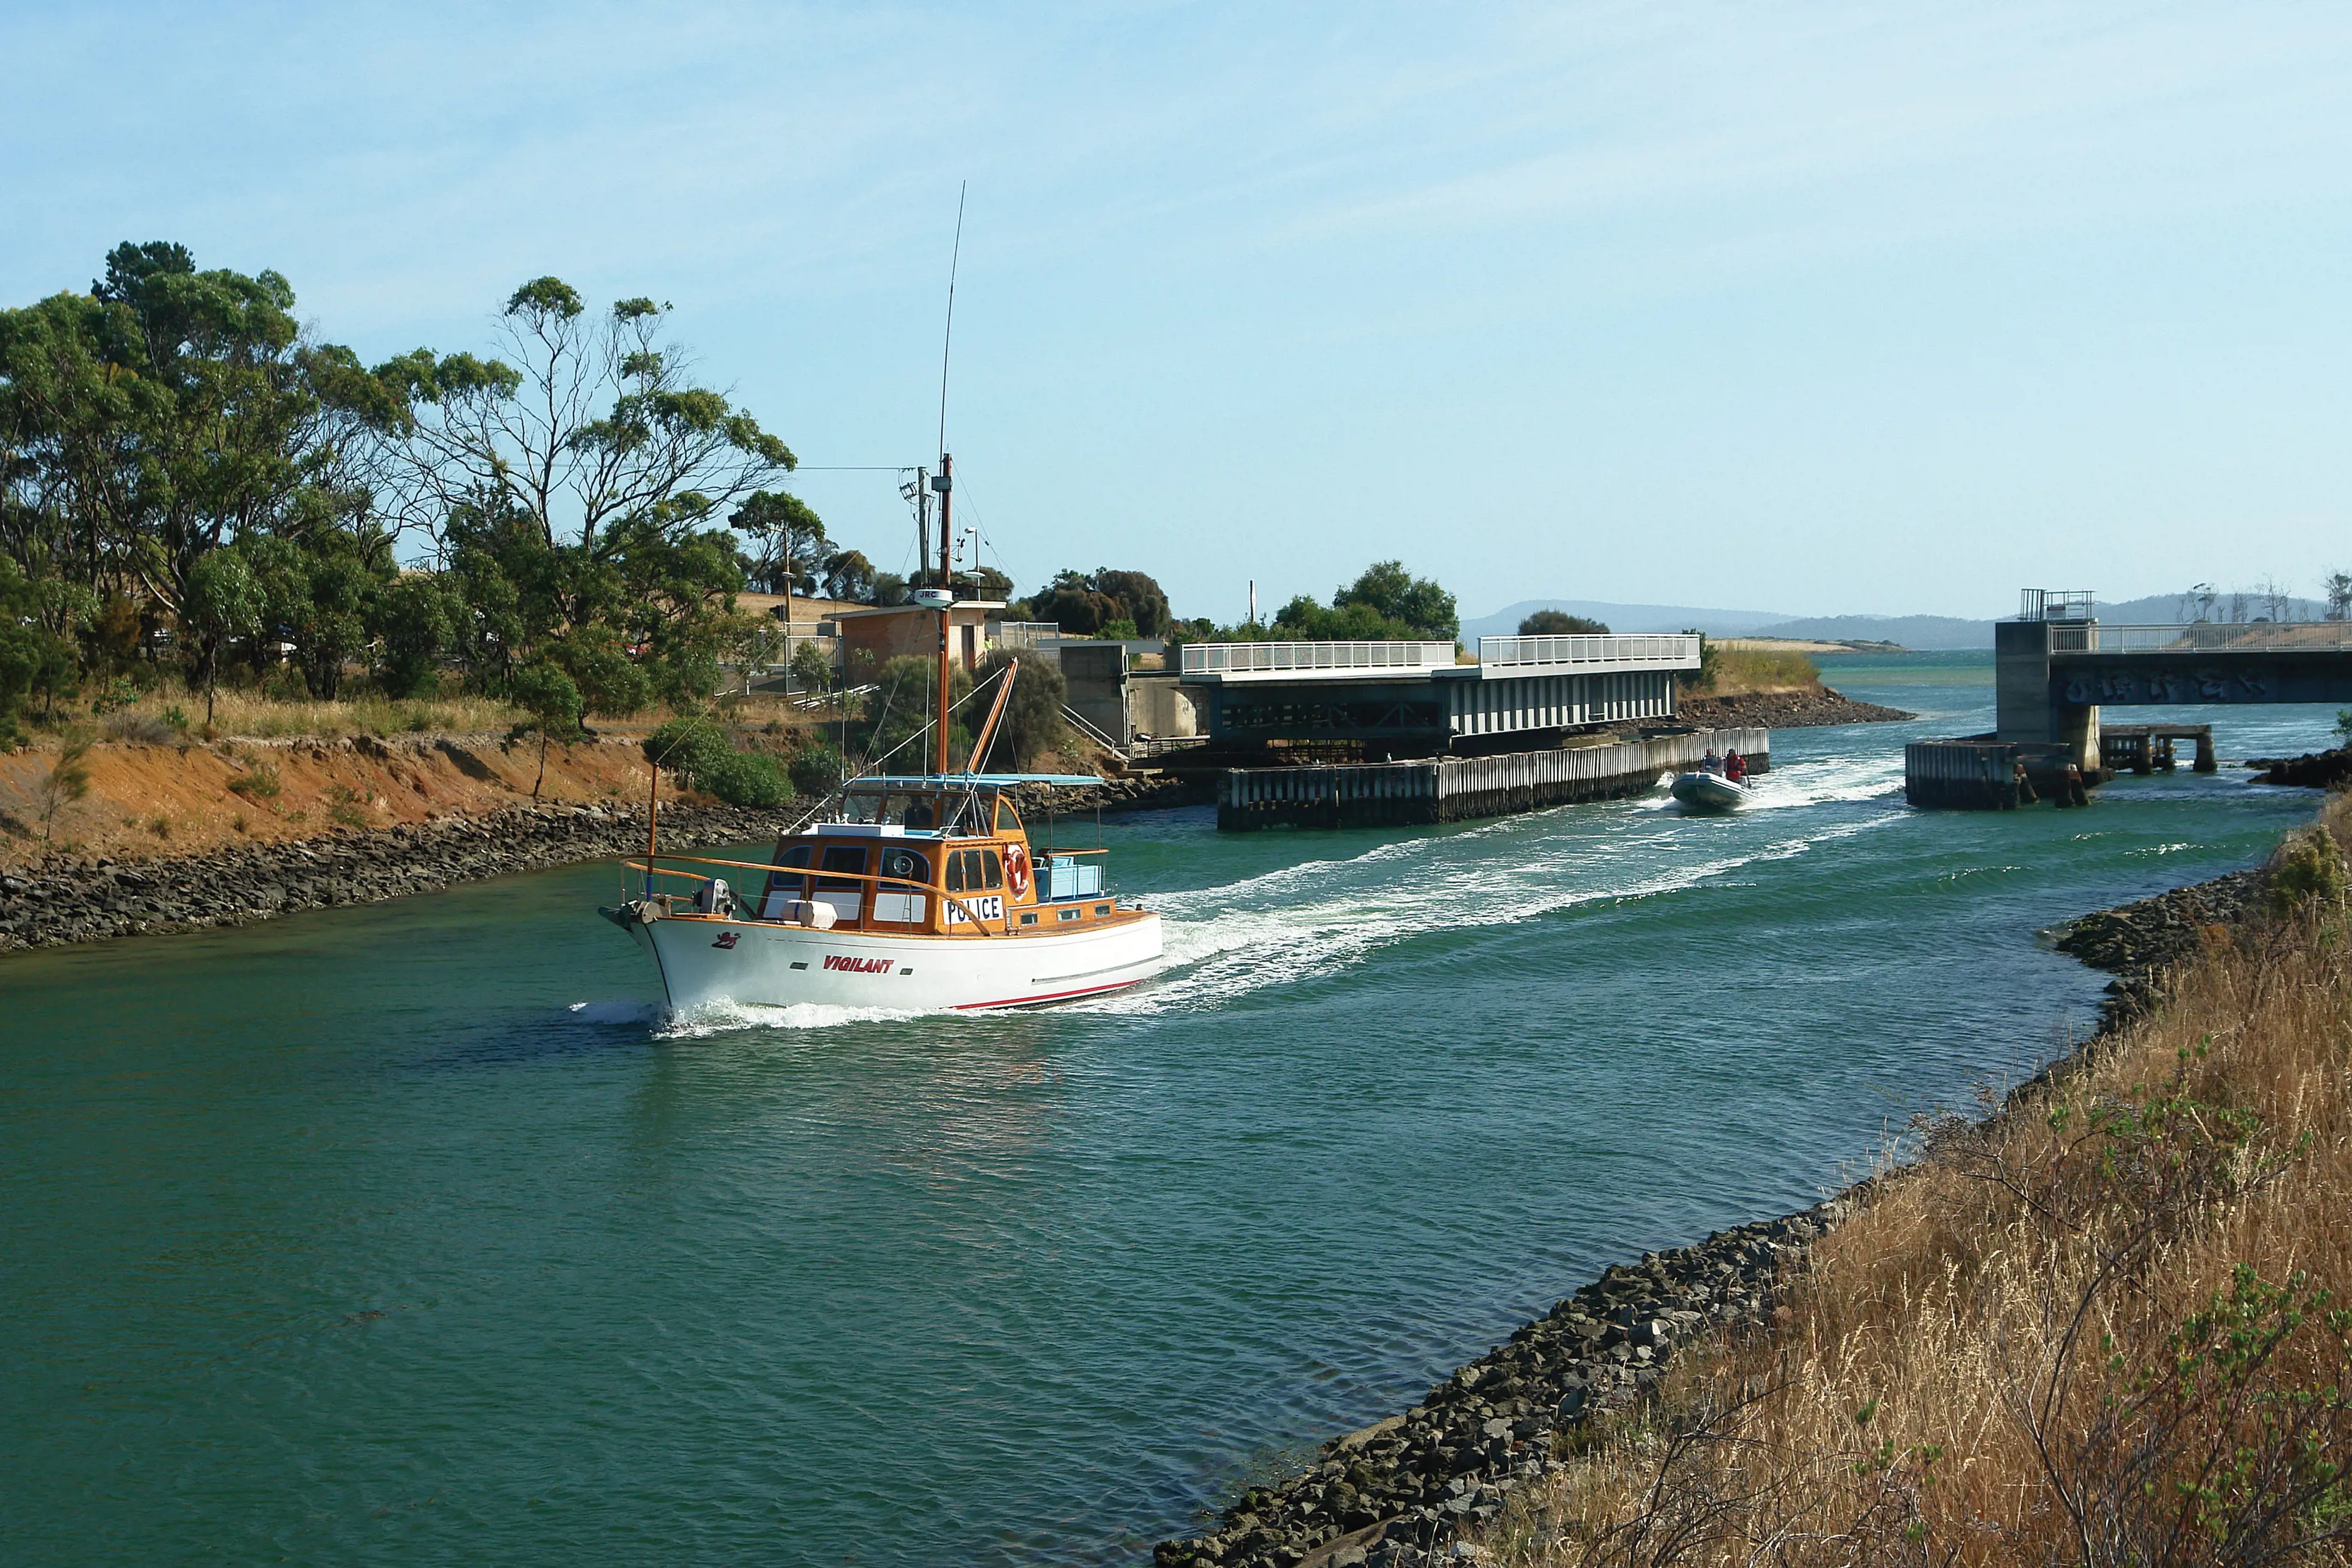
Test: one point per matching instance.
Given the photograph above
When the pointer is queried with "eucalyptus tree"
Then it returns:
(166, 412)
(588, 421)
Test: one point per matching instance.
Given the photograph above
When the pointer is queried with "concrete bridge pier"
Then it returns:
(2054, 666)
(2027, 702)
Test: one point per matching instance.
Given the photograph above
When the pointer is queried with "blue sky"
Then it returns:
(1820, 309)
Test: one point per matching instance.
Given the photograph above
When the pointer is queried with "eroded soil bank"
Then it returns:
(166, 802)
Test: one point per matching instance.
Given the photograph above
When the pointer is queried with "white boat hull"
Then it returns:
(757, 964)
(1705, 792)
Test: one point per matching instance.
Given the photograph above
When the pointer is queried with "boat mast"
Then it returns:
(945, 484)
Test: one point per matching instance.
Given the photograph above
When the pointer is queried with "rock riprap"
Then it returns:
(92, 901)
(2312, 770)
(2138, 942)
(1397, 1495)
(1783, 710)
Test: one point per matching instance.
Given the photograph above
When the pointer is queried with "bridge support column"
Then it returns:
(2078, 728)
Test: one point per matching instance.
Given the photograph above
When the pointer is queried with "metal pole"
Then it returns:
(947, 612)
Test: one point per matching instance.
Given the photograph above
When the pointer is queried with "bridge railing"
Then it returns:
(1656, 651)
(1268, 658)
(2206, 637)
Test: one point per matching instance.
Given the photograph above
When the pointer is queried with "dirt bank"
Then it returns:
(162, 802)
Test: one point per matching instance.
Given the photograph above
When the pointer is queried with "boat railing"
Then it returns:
(806, 871)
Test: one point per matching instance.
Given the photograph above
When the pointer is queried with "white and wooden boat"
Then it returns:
(1708, 792)
(920, 894)
(916, 894)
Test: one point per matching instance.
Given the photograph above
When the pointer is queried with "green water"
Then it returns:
(412, 1233)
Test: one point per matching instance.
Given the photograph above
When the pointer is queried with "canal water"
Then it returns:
(413, 1233)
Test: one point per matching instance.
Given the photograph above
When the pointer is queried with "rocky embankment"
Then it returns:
(2138, 942)
(2312, 770)
(1398, 1494)
(90, 900)
(1783, 710)
(1145, 793)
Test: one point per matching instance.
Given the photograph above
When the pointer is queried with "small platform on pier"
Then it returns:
(2149, 747)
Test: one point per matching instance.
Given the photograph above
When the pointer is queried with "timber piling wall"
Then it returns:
(1451, 788)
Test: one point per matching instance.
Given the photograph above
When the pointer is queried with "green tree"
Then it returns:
(67, 781)
(1032, 728)
(1392, 593)
(899, 709)
(33, 659)
(609, 681)
(596, 423)
(1084, 603)
(1559, 624)
(848, 575)
(411, 622)
(789, 546)
(812, 668)
(222, 605)
(547, 696)
(317, 591)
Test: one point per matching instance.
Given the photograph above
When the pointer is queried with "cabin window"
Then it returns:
(1007, 822)
(991, 866)
(955, 872)
(1030, 918)
(847, 897)
(1074, 914)
(793, 858)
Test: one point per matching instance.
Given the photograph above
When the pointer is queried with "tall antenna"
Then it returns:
(946, 339)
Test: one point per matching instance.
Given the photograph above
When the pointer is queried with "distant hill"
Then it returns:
(1626, 618)
(1924, 631)
(1911, 631)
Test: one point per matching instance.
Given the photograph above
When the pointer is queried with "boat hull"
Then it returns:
(1705, 792)
(759, 964)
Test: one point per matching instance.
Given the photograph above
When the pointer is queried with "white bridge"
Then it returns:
(1422, 693)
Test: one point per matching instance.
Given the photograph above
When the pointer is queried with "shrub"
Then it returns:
(686, 745)
(120, 694)
(698, 748)
(746, 778)
(2305, 867)
(138, 729)
(256, 783)
(817, 770)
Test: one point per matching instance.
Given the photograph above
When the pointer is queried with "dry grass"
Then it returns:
(2104, 1327)
(1734, 670)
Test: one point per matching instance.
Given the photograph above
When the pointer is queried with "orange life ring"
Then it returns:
(1016, 869)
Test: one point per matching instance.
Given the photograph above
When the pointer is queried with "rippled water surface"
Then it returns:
(413, 1233)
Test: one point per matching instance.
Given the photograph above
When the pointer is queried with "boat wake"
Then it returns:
(1322, 916)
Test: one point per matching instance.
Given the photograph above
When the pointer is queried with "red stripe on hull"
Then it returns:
(1052, 995)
